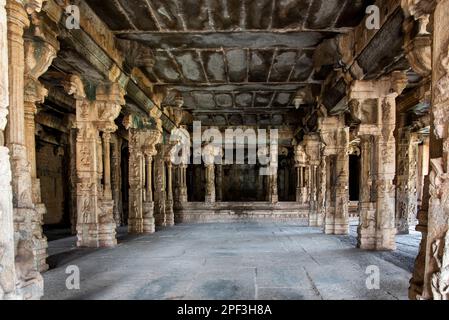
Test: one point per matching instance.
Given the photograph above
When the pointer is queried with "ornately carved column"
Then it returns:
(373, 106)
(95, 220)
(312, 145)
(431, 276)
(210, 183)
(367, 208)
(160, 195)
(29, 282)
(169, 212)
(40, 50)
(151, 138)
(335, 136)
(136, 188)
(301, 161)
(406, 180)
(182, 183)
(210, 154)
(7, 266)
(116, 181)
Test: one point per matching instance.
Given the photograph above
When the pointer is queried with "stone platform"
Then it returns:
(200, 212)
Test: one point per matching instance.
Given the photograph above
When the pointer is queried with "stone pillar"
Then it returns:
(40, 51)
(210, 183)
(312, 145)
(169, 212)
(406, 180)
(107, 188)
(142, 150)
(29, 283)
(135, 217)
(301, 161)
(95, 220)
(273, 185)
(151, 138)
(373, 106)
(72, 175)
(335, 137)
(210, 157)
(116, 180)
(182, 184)
(7, 266)
(160, 195)
(367, 208)
(431, 275)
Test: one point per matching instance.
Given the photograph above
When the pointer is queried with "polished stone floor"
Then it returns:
(231, 261)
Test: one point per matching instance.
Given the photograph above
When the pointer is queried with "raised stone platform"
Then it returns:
(200, 212)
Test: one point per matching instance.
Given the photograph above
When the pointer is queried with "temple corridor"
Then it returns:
(232, 261)
(225, 149)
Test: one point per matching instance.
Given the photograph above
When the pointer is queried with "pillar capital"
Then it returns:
(391, 85)
(18, 19)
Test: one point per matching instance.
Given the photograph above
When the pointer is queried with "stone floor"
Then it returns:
(231, 261)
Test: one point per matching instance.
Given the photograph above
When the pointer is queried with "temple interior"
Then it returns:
(224, 149)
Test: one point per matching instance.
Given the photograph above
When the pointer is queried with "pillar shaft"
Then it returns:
(107, 165)
(210, 183)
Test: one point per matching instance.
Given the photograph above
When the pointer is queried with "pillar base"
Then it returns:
(94, 235)
(337, 226)
(135, 226)
(148, 221)
(210, 199)
(378, 240)
(40, 243)
(30, 290)
(160, 219)
(169, 213)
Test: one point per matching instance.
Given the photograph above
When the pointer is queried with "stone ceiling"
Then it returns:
(234, 61)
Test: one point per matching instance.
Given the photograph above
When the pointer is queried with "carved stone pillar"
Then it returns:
(29, 283)
(135, 218)
(142, 150)
(312, 145)
(367, 208)
(301, 160)
(40, 50)
(160, 195)
(72, 173)
(210, 183)
(335, 136)
(182, 175)
(169, 212)
(210, 157)
(7, 266)
(95, 219)
(116, 181)
(373, 106)
(431, 276)
(151, 138)
(107, 188)
(273, 185)
(406, 180)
